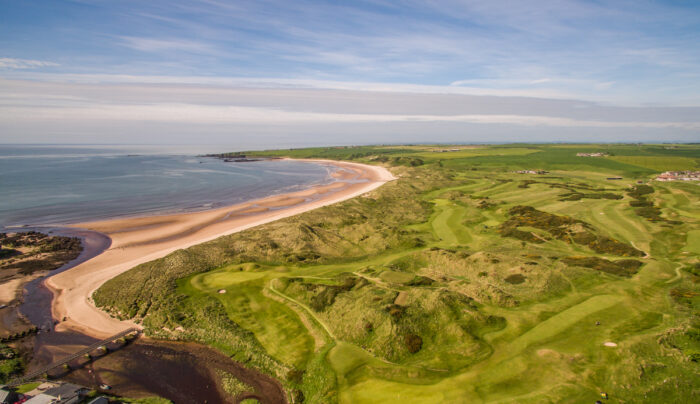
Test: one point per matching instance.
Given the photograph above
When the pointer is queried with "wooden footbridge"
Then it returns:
(85, 351)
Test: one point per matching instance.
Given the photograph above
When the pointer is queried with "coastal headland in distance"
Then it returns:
(142, 239)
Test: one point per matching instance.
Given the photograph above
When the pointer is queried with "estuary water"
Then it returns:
(53, 185)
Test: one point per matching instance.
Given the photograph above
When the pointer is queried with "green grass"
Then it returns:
(275, 326)
(472, 152)
(404, 296)
(693, 242)
(659, 163)
(27, 387)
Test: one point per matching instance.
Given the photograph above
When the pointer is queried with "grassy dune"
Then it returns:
(460, 282)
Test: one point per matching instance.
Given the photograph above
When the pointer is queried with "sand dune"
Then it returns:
(142, 239)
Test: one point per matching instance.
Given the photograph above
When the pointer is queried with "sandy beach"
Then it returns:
(142, 239)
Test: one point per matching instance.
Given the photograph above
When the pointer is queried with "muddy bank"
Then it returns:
(181, 372)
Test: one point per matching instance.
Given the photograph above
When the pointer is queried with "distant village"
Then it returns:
(679, 176)
(539, 172)
(596, 154)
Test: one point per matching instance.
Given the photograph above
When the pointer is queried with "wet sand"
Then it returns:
(142, 239)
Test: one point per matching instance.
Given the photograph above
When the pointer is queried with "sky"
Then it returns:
(280, 73)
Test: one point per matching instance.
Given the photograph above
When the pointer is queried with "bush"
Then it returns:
(515, 279)
(413, 342)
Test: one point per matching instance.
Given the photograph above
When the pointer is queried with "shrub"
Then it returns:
(413, 342)
(515, 279)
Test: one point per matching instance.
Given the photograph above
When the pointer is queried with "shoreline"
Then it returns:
(136, 240)
(178, 208)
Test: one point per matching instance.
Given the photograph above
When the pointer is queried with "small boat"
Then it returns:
(105, 386)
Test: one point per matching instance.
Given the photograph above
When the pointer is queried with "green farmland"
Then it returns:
(460, 282)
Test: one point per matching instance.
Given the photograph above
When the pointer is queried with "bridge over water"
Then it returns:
(39, 372)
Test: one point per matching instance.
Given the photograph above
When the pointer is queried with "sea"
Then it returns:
(53, 185)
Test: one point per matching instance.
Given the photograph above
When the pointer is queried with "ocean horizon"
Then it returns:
(53, 185)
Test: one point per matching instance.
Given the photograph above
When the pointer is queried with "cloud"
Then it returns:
(13, 63)
(152, 108)
(224, 114)
(164, 45)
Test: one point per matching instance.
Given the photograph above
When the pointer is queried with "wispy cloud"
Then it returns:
(160, 45)
(217, 115)
(13, 63)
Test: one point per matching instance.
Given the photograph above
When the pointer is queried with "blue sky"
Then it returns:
(636, 58)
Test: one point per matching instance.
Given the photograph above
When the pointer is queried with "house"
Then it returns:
(538, 172)
(66, 393)
(597, 154)
(7, 396)
(100, 400)
(679, 176)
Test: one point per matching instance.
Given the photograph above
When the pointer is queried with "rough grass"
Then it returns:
(414, 294)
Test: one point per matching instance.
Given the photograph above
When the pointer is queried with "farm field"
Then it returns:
(462, 281)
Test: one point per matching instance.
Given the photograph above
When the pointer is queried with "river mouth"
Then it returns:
(181, 372)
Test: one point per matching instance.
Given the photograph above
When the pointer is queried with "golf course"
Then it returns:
(482, 274)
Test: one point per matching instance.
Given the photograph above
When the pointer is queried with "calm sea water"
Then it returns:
(49, 185)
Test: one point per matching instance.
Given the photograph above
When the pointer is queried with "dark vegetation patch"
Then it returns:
(8, 252)
(396, 311)
(515, 279)
(576, 191)
(420, 281)
(413, 343)
(644, 207)
(406, 161)
(562, 228)
(684, 296)
(29, 252)
(526, 183)
(624, 268)
(11, 364)
(694, 270)
(486, 204)
(639, 191)
(577, 196)
(325, 295)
